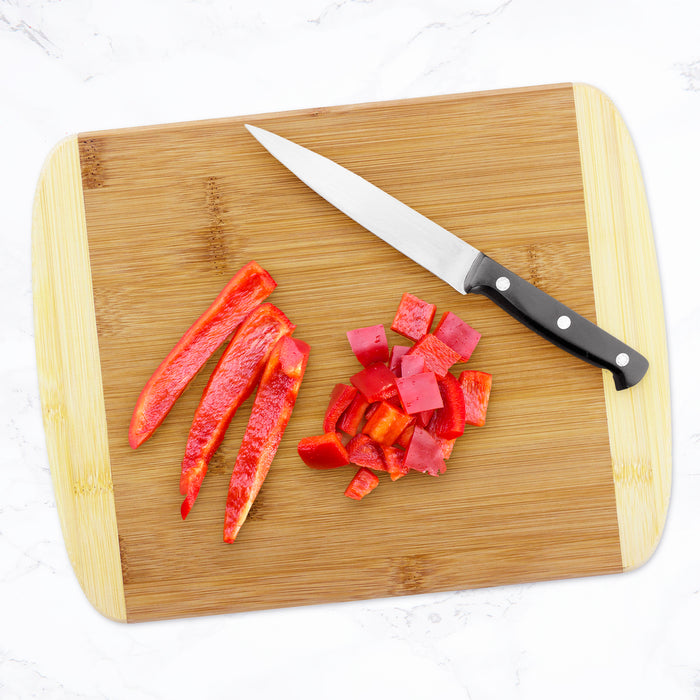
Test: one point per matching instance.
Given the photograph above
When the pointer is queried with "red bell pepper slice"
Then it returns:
(369, 344)
(476, 387)
(438, 356)
(458, 334)
(448, 421)
(272, 409)
(323, 451)
(230, 384)
(362, 483)
(387, 423)
(248, 288)
(424, 454)
(366, 452)
(413, 317)
(397, 352)
(394, 460)
(405, 438)
(375, 382)
(341, 397)
(351, 418)
(419, 392)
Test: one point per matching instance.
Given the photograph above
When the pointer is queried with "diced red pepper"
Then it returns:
(386, 424)
(230, 384)
(413, 317)
(272, 408)
(419, 392)
(446, 446)
(423, 418)
(248, 288)
(448, 421)
(458, 334)
(424, 454)
(394, 460)
(366, 452)
(369, 344)
(412, 364)
(350, 421)
(375, 382)
(362, 483)
(476, 387)
(438, 356)
(341, 397)
(405, 437)
(397, 352)
(323, 451)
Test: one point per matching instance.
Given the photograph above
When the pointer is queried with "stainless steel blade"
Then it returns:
(430, 245)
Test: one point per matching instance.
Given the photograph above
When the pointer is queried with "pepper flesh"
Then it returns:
(249, 287)
(230, 384)
(272, 409)
(476, 387)
(362, 483)
(413, 317)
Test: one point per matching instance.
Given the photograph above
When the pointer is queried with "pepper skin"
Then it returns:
(249, 287)
(272, 409)
(230, 384)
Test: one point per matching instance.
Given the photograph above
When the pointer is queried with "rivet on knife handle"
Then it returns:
(556, 322)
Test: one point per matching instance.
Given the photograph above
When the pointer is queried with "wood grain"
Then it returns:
(70, 381)
(633, 308)
(173, 211)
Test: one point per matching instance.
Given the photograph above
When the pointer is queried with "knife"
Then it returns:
(454, 261)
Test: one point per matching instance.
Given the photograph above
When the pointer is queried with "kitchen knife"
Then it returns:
(453, 260)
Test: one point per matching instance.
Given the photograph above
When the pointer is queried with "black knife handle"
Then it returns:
(556, 322)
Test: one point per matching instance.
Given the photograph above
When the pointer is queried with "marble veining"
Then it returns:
(77, 65)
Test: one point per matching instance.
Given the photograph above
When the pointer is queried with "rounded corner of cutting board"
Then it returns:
(629, 305)
(70, 382)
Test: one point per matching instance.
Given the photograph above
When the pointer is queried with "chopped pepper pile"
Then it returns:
(261, 354)
(405, 409)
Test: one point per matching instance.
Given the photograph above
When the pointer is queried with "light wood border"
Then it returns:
(70, 381)
(629, 305)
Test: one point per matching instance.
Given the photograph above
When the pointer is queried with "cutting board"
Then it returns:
(135, 231)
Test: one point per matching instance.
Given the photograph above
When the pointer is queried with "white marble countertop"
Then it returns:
(76, 65)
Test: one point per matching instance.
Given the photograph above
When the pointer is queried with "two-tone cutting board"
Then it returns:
(135, 231)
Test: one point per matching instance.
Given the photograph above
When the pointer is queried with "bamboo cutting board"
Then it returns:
(135, 231)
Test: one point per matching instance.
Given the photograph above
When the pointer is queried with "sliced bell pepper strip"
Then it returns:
(369, 344)
(438, 356)
(366, 452)
(341, 397)
(375, 382)
(230, 384)
(323, 451)
(424, 454)
(419, 392)
(476, 387)
(413, 317)
(387, 423)
(362, 483)
(448, 421)
(248, 288)
(458, 334)
(272, 408)
(350, 421)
